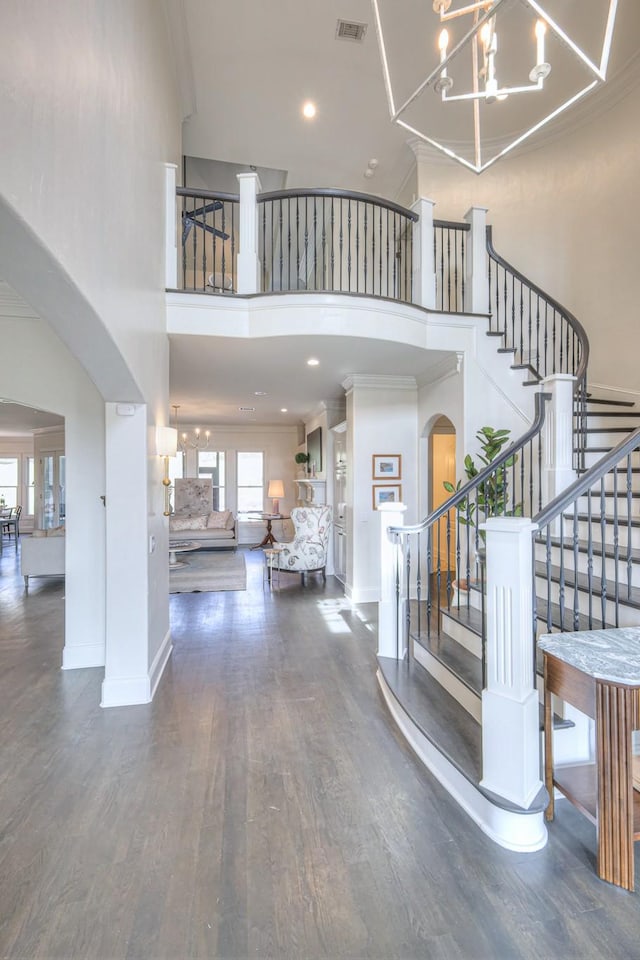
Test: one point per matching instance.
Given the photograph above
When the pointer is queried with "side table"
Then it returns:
(599, 673)
(272, 565)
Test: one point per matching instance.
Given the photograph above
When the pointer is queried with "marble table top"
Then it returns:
(604, 654)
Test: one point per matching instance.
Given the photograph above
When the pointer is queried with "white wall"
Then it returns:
(567, 216)
(382, 419)
(91, 120)
(44, 373)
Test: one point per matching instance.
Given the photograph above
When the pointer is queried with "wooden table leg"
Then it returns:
(614, 725)
(548, 746)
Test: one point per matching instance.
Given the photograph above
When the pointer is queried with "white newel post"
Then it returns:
(558, 435)
(424, 278)
(390, 613)
(248, 261)
(477, 278)
(510, 717)
(170, 228)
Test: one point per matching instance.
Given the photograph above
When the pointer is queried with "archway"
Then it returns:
(442, 468)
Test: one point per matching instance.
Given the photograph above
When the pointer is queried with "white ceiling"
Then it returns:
(244, 70)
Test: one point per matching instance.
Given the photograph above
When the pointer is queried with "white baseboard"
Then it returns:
(159, 662)
(83, 655)
(125, 691)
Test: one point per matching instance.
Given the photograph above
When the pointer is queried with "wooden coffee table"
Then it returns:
(182, 546)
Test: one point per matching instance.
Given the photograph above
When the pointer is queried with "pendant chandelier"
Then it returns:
(197, 440)
(496, 71)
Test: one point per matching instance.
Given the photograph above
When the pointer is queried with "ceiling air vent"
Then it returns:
(247, 409)
(346, 30)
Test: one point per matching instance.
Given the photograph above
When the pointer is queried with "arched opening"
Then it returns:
(442, 469)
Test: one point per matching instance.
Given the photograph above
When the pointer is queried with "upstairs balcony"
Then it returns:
(323, 241)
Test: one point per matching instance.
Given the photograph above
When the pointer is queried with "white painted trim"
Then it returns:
(77, 657)
(159, 662)
(467, 699)
(125, 691)
(364, 595)
(520, 832)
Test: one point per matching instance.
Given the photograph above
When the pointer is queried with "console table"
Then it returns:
(599, 673)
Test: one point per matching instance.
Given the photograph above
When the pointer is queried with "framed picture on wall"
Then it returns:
(387, 466)
(386, 494)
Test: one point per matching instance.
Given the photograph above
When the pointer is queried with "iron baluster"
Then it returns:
(603, 572)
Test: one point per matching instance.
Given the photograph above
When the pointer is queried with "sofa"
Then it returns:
(216, 529)
(42, 554)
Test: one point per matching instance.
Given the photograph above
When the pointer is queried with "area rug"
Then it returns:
(208, 570)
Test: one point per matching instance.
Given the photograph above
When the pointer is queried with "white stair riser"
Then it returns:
(627, 616)
(613, 571)
(467, 699)
(592, 456)
(617, 481)
(609, 504)
(626, 534)
(462, 635)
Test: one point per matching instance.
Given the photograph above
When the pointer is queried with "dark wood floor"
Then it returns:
(263, 805)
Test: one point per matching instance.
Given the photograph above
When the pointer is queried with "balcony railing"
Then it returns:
(335, 240)
(209, 225)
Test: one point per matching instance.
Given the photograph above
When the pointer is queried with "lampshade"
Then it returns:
(166, 441)
(275, 489)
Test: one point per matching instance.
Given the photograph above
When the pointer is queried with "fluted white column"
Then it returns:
(510, 715)
(391, 638)
(424, 278)
(477, 264)
(248, 261)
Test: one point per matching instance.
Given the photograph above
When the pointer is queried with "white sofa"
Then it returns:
(41, 557)
(216, 529)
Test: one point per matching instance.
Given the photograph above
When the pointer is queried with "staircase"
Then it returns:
(586, 569)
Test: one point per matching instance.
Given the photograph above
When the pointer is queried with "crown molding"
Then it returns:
(379, 382)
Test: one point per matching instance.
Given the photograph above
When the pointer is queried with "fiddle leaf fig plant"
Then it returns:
(491, 499)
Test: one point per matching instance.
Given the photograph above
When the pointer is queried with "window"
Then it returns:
(31, 490)
(211, 466)
(176, 467)
(9, 481)
(250, 482)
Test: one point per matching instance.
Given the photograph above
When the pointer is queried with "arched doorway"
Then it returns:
(442, 468)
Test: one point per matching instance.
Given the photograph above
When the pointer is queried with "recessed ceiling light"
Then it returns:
(312, 362)
(309, 110)
(283, 410)
(247, 409)
(260, 393)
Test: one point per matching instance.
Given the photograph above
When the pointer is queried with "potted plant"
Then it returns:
(492, 496)
(302, 459)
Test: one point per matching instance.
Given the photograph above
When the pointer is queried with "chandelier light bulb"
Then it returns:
(443, 43)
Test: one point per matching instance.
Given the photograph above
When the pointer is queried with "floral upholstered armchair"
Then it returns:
(308, 549)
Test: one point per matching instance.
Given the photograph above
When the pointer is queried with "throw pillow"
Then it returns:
(218, 520)
(55, 532)
(39, 533)
(187, 523)
(231, 521)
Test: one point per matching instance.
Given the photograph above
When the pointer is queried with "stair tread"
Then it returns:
(612, 403)
(605, 428)
(608, 517)
(627, 597)
(613, 413)
(567, 624)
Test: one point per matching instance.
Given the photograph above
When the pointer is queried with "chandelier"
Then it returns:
(488, 83)
(197, 441)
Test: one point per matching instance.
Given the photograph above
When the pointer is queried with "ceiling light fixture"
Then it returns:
(197, 441)
(312, 362)
(309, 110)
(476, 45)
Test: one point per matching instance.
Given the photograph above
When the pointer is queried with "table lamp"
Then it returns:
(275, 491)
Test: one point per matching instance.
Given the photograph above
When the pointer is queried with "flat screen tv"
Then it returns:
(314, 449)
